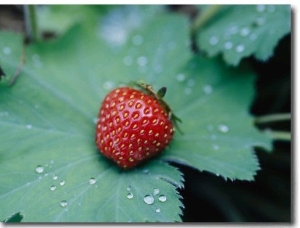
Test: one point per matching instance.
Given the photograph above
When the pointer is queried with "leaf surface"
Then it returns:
(50, 168)
(243, 30)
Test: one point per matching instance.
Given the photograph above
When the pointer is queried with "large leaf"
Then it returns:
(243, 30)
(213, 100)
(50, 167)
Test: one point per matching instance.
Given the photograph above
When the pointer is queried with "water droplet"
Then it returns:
(92, 180)
(52, 187)
(39, 169)
(260, 21)
(156, 191)
(28, 126)
(62, 183)
(216, 147)
(157, 210)
(36, 61)
(253, 36)
(217, 174)
(162, 198)
(240, 48)
(54, 177)
(142, 61)
(63, 203)
(180, 77)
(108, 85)
(228, 45)
(223, 128)
(213, 40)
(271, 8)
(6, 50)
(137, 40)
(207, 89)
(128, 188)
(233, 29)
(148, 199)
(146, 171)
(130, 195)
(260, 8)
(128, 60)
(245, 31)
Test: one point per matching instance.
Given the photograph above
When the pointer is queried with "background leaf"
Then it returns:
(243, 30)
(50, 167)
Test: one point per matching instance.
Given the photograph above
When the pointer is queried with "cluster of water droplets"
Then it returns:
(149, 199)
(117, 25)
(41, 170)
(215, 132)
(233, 37)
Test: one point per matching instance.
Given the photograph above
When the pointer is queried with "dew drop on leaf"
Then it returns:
(223, 128)
(240, 48)
(108, 85)
(63, 203)
(62, 183)
(129, 195)
(228, 45)
(155, 191)
(52, 187)
(6, 50)
(271, 8)
(157, 210)
(39, 169)
(213, 40)
(260, 8)
(216, 147)
(128, 188)
(148, 199)
(142, 61)
(245, 31)
(180, 77)
(54, 177)
(92, 180)
(162, 198)
(260, 21)
(146, 171)
(207, 89)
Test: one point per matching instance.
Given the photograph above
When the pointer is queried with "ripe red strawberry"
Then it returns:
(133, 125)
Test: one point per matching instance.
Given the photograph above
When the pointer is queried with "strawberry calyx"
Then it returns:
(159, 97)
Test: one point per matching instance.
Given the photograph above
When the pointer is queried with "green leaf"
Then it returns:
(48, 154)
(212, 100)
(50, 168)
(243, 30)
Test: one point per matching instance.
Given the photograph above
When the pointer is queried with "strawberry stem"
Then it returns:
(159, 95)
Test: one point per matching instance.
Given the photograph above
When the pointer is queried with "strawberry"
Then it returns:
(133, 125)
